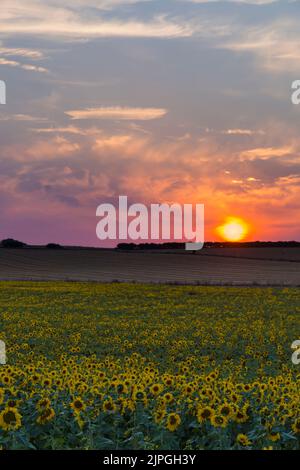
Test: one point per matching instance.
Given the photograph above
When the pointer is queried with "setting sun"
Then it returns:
(233, 230)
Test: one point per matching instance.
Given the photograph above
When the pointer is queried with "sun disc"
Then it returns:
(233, 230)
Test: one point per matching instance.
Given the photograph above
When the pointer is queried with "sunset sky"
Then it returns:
(183, 101)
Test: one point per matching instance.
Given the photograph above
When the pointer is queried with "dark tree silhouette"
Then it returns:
(11, 243)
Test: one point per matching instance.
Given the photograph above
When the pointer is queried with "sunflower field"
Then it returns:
(125, 366)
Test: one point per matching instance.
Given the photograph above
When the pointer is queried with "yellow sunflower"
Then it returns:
(43, 403)
(204, 414)
(173, 421)
(156, 389)
(274, 436)
(78, 405)
(296, 426)
(109, 406)
(219, 421)
(46, 415)
(10, 419)
(243, 440)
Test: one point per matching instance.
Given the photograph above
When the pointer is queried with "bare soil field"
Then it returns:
(267, 253)
(269, 266)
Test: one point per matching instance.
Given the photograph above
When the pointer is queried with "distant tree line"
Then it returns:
(11, 243)
(181, 246)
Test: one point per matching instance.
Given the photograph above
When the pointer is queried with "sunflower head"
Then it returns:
(78, 405)
(173, 421)
(219, 421)
(109, 406)
(296, 426)
(46, 415)
(10, 419)
(204, 414)
(243, 440)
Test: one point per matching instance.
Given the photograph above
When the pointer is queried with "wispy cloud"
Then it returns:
(29, 67)
(275, 45)
(118, 113)
(249, 2)
(158, 28)
(20, 52)
(60, 130)
(265, 153)
(246, 132)
(22, 117)
(75, 20)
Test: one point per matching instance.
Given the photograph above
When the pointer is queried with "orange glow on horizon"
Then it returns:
(234, 229)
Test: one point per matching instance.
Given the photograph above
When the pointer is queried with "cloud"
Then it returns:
(21, 117)
(118, 113)
(101, 4)
(61, 130)
(247, 132)
(21, 52)
(249, 2)
(78, 20)
(266, 153)
(91, 19)
(29, 67)
(158, 28)
(275, 45)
